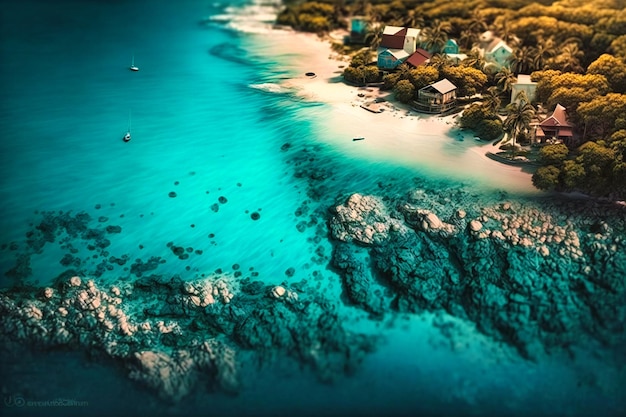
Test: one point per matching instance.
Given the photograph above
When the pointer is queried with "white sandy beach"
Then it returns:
(431, 144)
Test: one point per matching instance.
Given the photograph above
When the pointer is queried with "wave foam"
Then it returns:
(256, 17)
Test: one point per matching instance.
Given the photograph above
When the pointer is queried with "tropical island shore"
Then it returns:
(397, 134)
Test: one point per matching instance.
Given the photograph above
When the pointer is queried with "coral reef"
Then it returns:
(539, 275)
(171, 334)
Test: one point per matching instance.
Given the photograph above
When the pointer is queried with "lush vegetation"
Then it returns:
(574, 49)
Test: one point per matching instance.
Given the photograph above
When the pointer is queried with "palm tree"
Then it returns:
(522, 60)
(361, 7)
(568, 60)
(543, 52)
(373, 35)
(439, 61)
(504, 32)
(474, 59)
(505, 79)
(413, 19)
(436, 36)
(469, 37)
(491, 99)
(520, 114)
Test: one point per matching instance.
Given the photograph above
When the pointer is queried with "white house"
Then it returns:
(523, 83)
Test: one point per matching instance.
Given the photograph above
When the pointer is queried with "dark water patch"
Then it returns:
(255, 216)
(222, 200)
(172, 194)
(113, 229)
(215, 208)
(235, 54)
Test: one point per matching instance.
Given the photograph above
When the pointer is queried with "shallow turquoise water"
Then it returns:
(203, 129)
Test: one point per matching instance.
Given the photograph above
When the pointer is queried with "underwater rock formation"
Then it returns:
(172, 334)
(538, 276)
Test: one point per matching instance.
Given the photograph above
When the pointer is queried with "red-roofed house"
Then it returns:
(555, 126)
(419, 57)
(397, 44)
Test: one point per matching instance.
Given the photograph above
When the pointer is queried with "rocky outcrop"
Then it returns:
(174, 375)
(363, 220)
(174, 335)
(539, 276)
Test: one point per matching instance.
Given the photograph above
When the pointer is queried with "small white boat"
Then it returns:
(127, 136)
(132, 65)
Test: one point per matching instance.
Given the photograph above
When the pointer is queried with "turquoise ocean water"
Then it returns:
(205, 155)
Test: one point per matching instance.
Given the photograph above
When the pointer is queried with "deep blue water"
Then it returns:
(201, 131)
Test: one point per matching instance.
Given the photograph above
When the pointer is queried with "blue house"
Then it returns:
(451, 47)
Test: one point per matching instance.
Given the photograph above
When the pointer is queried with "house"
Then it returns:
(417, 58)
(555, 127)
(396, 45)
(358, 29)
(494, 50)
(436, 98)
(524, 84)
(451, 47)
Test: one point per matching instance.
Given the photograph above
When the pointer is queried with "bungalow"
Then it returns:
(397, 44)
(451, 47)
(524, 84)
(555, 127)
(494, 50)
(436, 98)
(417, 58)
(358, 29)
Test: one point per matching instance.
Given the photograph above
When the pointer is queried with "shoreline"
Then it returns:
(397, 135)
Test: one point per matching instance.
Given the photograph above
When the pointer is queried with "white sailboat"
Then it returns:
(126, 137)
(132, 65)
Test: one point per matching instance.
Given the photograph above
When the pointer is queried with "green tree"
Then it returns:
(546, 178)
(489, 129)
(553, 154)
(573, 175)
(597, 161)
(423, 76)
(354, 75)
(372, 74)
(613, 69)
(404, 91)
(618, 47)
(468, 80)
(604, 115)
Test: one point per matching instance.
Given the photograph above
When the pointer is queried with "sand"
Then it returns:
(429, 143)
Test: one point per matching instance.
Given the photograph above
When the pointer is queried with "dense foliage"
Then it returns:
(574, 49)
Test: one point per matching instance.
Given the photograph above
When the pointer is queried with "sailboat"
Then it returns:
(132, 65)
(126, 137)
